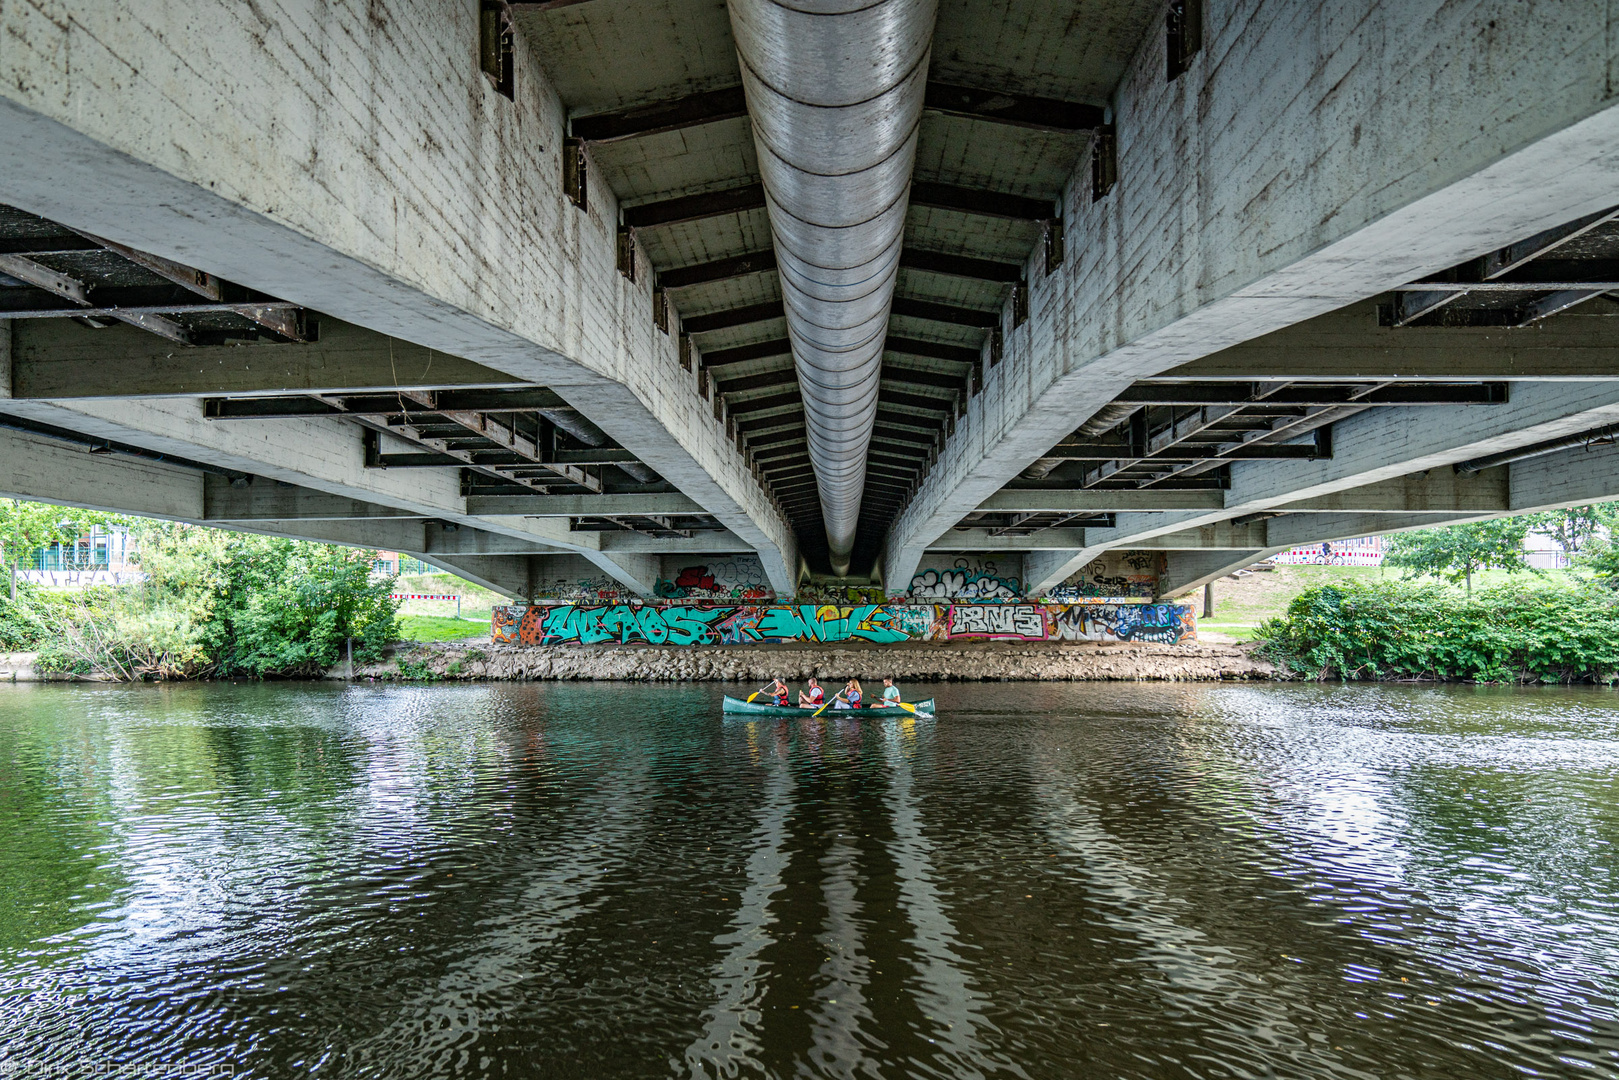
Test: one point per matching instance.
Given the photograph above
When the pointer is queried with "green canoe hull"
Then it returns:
(739, 707)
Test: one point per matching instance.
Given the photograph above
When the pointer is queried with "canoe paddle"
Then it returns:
(835, 697)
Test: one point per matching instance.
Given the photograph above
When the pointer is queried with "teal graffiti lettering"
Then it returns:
(873, 624)
(560, 625)
(689, 625)
(652, 626)
(785, 624)
(616, 622)
(592, 628)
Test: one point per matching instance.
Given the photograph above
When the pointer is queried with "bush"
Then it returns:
(212, 603)
(1400, 629)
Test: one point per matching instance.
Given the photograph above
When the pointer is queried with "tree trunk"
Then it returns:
(1469, 572)
(13, 581)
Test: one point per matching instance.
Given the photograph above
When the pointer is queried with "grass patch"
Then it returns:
(440, 628)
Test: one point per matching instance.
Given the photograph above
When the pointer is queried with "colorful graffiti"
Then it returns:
(1164, 624)
(1017, 622)
(658, 623)
(580, 589)
(741, 578)
(966, 579)
(677, 624)
(1126, 575)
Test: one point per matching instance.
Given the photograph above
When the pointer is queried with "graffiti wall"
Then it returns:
(576, 579)
(1117, 575)
(715, 623)
(724, 577)
(968, 577)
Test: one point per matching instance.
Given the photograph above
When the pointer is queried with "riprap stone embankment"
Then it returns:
(756, 664)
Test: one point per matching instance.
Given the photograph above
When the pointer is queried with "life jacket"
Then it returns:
(816, 695)
(854, 698)
(781, 698)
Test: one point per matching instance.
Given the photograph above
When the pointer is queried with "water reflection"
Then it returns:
(1045, 881)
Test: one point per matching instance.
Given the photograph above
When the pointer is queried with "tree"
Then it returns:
(1574, 527)
(1455, 552)
(25, 526)
(263, 606)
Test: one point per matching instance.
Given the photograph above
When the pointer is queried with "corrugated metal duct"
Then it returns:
(835, 90)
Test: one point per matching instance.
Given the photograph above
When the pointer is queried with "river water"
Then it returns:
(1048, 880)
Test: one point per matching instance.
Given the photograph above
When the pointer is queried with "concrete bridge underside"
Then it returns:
(495, 284)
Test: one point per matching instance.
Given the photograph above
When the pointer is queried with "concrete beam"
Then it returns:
(1188, 570)
(383, 535)
(1279, 215)
(45, 470)
(268, 500)
(319, 458)
(1307, 530)
(56, 359)
(1439, 490)
(1072, 500)
(712, 542)
(1349, 344)
(562, 506)
(467, 247)
(510, 575)
(1569, 478)
(1222, 535)
(984, 540)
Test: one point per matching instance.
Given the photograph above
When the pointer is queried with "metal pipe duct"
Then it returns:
(1106, 419)
(835, 90)
(1585, 439)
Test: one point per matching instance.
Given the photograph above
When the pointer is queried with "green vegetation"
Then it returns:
(1458, 552)
(213, 604)
(25, 526)
(1534, 632)
(440, 628)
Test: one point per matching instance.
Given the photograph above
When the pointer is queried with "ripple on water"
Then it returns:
(1048, 880)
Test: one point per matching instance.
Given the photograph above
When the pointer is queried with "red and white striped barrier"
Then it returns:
(422, 596)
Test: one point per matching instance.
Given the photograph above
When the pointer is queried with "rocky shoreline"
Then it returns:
(755, 664)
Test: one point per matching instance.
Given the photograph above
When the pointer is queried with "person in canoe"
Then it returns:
(891, 698)
(851, 693)
(778, 692)
(812, 698)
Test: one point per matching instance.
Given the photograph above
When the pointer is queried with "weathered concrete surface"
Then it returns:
(1377, 450)
(32, 467)
(354, 160)
(755, 665)
(55, 359)
(1314, 156)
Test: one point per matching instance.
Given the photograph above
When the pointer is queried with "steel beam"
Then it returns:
(945, 313)
(694, 207)
(1018, 110)
(740, 354)
(940, 262)
(980, 203)
(753, 262)
(722, 320)
(690, 111)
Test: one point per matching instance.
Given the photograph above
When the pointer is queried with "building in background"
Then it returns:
(1361, 551)
(103, 555)
(389, 563)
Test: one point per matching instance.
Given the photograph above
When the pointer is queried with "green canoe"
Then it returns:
(763, 708)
